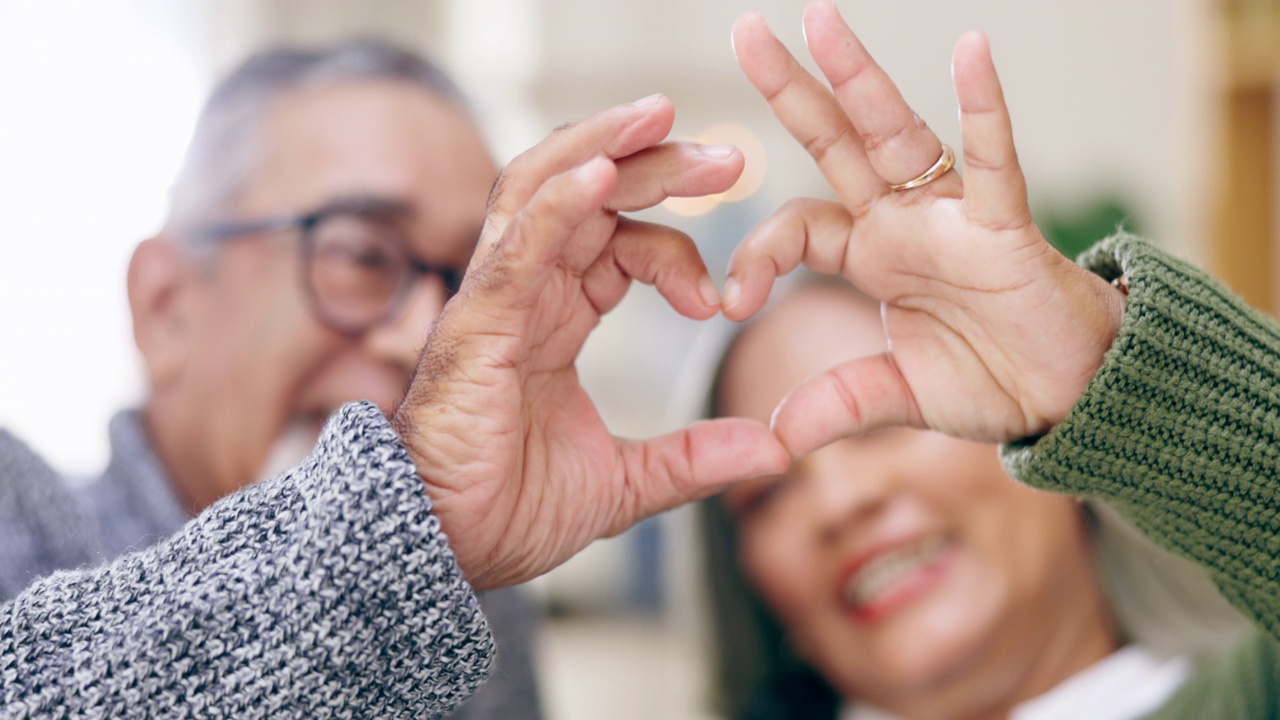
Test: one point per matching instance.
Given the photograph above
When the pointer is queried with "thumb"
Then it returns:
(857, 397)
(694, 463)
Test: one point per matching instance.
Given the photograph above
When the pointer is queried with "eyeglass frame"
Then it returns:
(306, 223)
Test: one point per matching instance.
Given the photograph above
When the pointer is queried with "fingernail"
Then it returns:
(647, 101)
(768, 28)
(732, 294)
(707, 290)
(719, 152)
(832, 6)
(733, 41)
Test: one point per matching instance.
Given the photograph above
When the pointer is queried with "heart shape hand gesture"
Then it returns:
(993, 334)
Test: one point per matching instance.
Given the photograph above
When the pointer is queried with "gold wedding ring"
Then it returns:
(940, 168)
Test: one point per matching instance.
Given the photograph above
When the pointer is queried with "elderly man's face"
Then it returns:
(260, 366)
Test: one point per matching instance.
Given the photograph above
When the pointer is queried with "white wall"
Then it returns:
(96, 102)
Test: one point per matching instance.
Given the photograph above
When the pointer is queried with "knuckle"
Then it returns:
(860, 210)
(981, 162)
(1019, 220)
(1011, 220)
(877, 141)
(853, 75)
(773, 94)
(848, 399)
(978, 110)
(819, 146)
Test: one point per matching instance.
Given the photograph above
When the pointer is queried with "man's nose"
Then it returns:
(399, 339)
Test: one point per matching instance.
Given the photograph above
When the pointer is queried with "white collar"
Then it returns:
(1130, 683)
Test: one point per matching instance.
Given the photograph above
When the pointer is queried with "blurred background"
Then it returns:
(1159, 114)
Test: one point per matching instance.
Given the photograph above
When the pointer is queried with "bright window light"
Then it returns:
(96, 102)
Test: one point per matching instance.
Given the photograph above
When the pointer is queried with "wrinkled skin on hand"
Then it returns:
(520, 468)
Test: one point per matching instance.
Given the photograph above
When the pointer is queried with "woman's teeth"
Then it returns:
(888, 568)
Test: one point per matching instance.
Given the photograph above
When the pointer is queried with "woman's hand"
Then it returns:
(993, 334)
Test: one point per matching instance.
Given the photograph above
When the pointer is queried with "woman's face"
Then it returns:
(904, 564)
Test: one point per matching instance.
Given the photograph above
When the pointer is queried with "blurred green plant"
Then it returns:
(1074, 230)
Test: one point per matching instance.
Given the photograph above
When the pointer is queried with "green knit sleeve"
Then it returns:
(1180, 428)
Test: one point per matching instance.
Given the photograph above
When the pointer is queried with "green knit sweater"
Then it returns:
(1180, 431)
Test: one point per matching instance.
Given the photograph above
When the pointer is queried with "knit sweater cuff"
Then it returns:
(1180, 428)
(329, 591)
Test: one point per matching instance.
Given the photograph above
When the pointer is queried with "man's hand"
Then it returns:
(993, 335)
(519, 466)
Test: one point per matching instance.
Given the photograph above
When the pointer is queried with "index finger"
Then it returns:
(808, 111)
(614, 133)
(695, 462)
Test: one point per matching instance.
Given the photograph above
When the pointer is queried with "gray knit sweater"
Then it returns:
(329, 591)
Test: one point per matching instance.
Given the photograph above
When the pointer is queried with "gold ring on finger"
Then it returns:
(945, 162)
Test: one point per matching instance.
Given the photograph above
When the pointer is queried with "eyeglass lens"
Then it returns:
(358, 269)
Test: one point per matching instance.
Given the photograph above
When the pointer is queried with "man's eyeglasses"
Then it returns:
(356, 268)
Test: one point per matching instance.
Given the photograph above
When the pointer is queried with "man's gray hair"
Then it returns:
(224, 146)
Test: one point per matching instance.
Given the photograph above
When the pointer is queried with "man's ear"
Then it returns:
(162, 281)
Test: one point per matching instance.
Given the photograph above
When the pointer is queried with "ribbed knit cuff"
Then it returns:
(1179, 429)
